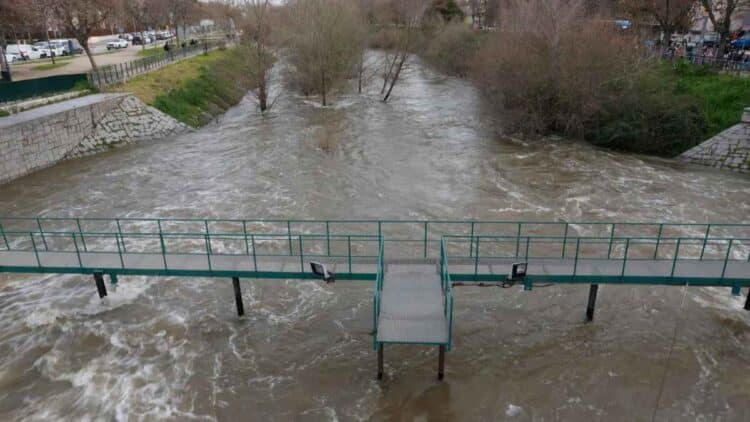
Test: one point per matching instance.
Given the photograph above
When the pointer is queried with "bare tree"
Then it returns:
(407, 15)
(720, 14)
(80, 18)
(256, 38)
(325, 46)
(671, 15)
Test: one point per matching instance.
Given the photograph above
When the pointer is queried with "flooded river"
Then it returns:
(174, 348)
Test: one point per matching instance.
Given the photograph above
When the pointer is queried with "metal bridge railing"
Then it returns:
(349, 248)
(379, 278)
(404, 238)
(480, 249)
(447, 285)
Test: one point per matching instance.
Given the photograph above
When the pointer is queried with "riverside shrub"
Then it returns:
(553, 69)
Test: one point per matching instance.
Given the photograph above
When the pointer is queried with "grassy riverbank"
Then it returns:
(721, 98)
(196, 89)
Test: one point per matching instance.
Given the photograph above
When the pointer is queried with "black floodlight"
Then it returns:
(321, 270)
(518, 270)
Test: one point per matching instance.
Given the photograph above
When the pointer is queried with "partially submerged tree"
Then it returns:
(407, 16)
(325, 46)
(256, 38)
(81, 18)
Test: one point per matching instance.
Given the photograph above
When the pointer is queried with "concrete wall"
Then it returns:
(728, 150)
(44, 136)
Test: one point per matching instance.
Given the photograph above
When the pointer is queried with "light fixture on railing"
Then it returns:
(321, 270)
(518, 271)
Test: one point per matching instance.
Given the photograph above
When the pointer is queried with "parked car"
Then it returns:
(126, 37)
(117, 44)
(137, 40)
(48, 49)
(24, 51)
(741, 43)
(70, 46)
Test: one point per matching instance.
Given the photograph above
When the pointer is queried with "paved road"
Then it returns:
(80, 63)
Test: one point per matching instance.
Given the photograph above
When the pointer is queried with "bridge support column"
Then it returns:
(747, 300)
(380, 361)
(100, 287)
(441, 362)
(593, 290)
(238, 296)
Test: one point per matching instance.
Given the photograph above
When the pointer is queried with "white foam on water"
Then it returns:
(513, 410)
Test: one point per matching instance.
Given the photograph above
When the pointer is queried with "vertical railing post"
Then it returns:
(41, 233)
(80, 233)
(705, 240)
(471, 244)
(425, 239)
(78, 251)
(526, 254)
(349, 249)
(255, 259)
(244, 233)
(289, 236)
(163, 250)
(575, 261)
(208, 250)
(625, 256)
(658, 240)
(676, 255)
(565, 241)
(301, 255)
(611, 239)
(119, 250)
(208, 237)
(476, 259)
(5, 238)
(726, 259)
(36, 253)
(119, 231)
(328, 238)
(518, 239)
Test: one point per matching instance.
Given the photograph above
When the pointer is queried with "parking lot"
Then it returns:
(79, 63)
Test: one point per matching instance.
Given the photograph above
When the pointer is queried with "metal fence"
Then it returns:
(716, 63)
(20, 90)
(120, 73)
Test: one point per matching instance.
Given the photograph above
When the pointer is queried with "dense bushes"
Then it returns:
(552, 69)
(451, 48)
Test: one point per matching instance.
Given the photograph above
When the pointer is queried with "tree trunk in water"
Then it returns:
(262, 93)
(395, 76)
(85, 46)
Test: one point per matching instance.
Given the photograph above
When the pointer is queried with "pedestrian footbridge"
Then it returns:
(413, 264)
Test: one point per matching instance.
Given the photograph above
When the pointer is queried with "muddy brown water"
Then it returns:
(172, 348)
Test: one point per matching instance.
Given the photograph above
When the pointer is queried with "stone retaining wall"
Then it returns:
(728, 150)
(44, 136)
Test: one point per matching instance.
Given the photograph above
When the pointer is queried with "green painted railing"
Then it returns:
(378, 289)
(404, 238)
(624, 250)
(447, 284)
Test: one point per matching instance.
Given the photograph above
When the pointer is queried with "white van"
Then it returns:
(25, 52)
